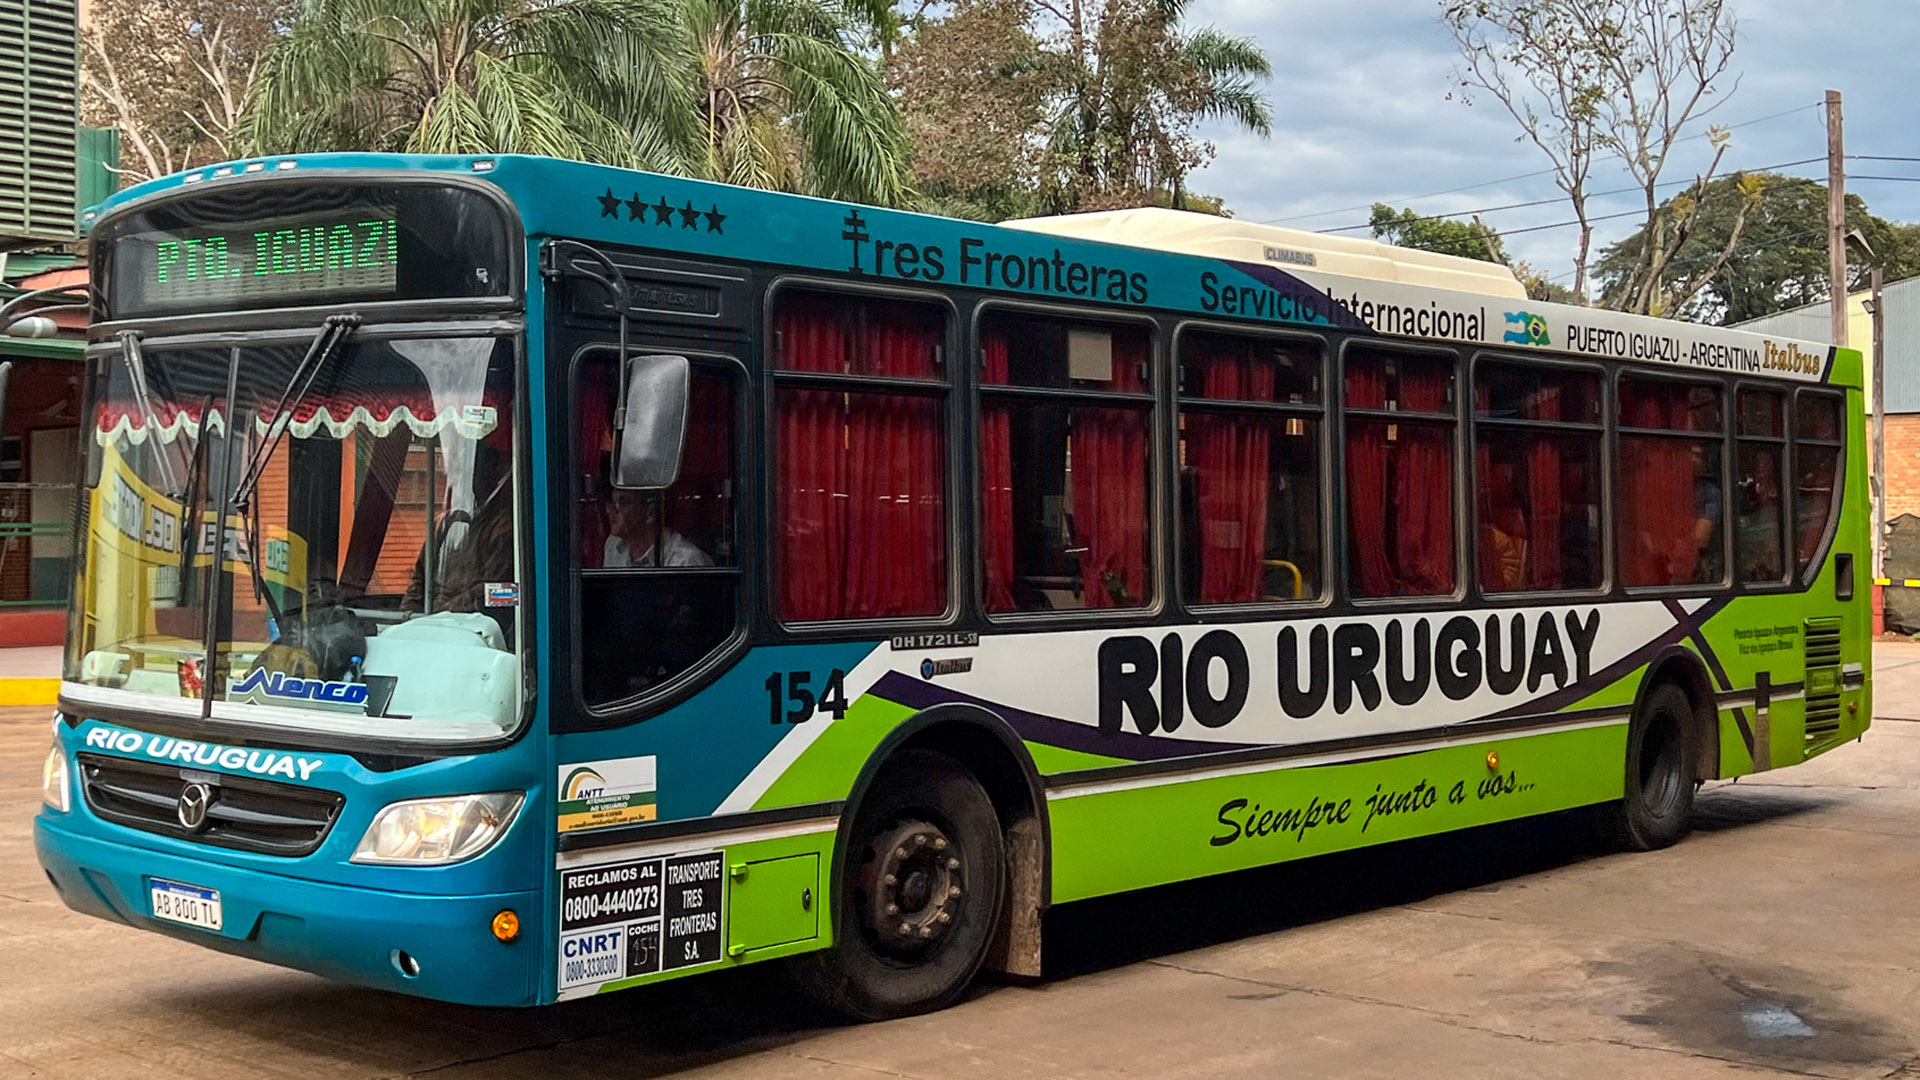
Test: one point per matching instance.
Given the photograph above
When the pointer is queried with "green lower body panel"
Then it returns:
(1135, 833)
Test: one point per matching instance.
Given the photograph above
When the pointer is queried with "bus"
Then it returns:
(507, 580)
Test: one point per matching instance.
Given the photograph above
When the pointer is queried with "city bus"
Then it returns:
(506, 580)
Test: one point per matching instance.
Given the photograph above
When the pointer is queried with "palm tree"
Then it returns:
(765, 93)
(786, 100)
(596, 80)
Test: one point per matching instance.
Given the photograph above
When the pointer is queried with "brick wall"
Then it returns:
(1903, 464)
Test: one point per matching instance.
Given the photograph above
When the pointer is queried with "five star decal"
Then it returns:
(665, 213)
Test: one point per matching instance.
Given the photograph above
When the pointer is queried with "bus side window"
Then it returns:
(1250, 478)
(1066, 416)
(859, 455)
(661, 567)
(1399, 473)
(1673, 505)
(1760, 503)
(1816, 456)
(1536, 442)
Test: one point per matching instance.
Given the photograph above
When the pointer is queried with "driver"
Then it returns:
(635, 536)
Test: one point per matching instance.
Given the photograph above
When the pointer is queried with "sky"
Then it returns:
(1361, 114)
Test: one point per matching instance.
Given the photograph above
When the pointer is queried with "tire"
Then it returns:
(924, 829)
(1658, 806)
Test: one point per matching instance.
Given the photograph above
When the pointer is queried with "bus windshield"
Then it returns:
(366, 580)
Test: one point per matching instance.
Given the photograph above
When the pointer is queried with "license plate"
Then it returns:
(188, 904)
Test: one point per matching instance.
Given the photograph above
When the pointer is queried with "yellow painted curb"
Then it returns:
(29, 691)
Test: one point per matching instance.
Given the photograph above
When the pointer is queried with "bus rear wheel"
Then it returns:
(1658, 804)
(919, 895)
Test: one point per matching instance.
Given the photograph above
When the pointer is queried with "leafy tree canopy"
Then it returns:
(771, 93)
(1466, 239)
(1036, 106)
(1780, 259)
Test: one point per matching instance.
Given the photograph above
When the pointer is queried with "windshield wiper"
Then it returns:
(136, 363)
(333, 330)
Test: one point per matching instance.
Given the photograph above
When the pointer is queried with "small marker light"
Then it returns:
(506, 925)
(1493, 760)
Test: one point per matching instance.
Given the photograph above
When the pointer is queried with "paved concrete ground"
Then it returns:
(1783, 938)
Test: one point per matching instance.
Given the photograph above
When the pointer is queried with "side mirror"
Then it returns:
(653, 427)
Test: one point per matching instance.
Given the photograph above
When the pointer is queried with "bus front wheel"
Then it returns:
(919, 895)
(1658, 802)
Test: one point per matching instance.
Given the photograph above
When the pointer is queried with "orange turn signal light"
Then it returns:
(1493, 760)
(506, 926)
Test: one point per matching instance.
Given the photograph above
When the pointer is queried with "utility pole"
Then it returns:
(1837, 219)
(1879, 428)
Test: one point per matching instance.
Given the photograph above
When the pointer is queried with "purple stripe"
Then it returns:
(1049, 730)
(1332, 312)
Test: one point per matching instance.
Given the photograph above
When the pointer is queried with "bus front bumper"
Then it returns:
(356, 935)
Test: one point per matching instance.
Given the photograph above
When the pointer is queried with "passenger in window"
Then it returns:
(1505, 560)
(635, 536)
(1708, 511)
(1759, 539)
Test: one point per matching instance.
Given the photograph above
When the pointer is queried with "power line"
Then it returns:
(1894, 179)
(1564, 224)
(1412, 199)
(1878, 157)
(1528, 176)
(1560, 199)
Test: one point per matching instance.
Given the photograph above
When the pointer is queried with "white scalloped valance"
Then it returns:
(338, 421)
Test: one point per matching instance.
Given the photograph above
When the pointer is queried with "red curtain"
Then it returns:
(895, 562)
(1545, 486)
(860, 474)
(1657, 511)
(1372, 568)
(699, 506)
(596, 425)
(1230, 455)
(1400, 493)
(996, 477)
(1423, 485)
(1109, 450)
(811, 454)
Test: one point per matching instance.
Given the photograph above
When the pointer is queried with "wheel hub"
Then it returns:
(913, 887)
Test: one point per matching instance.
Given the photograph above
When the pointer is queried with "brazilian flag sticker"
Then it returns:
(1532, 329)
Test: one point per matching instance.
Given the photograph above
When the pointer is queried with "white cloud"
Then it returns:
(1361, 115)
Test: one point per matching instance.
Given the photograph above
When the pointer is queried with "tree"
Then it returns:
(973, 90)
(1468, 240)
(173, 77)
(786, 101)
(598, 80)
(1132, 86)
(1765, 237)
(1623, 78)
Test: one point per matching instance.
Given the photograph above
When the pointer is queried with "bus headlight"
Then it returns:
(438, 831)
(53, 778)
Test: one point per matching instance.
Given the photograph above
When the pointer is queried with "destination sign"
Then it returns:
(352, 252)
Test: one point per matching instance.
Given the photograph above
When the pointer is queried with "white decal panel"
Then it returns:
(619, 920)
(1308, 680)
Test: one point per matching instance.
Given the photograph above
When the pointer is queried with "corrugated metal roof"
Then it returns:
(1902, 298)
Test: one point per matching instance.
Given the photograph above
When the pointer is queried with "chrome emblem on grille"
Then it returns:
(192, 811)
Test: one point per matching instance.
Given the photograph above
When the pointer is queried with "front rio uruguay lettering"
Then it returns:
(202, 754)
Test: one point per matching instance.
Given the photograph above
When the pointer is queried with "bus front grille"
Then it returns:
(237, 812)
(1823, 680)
